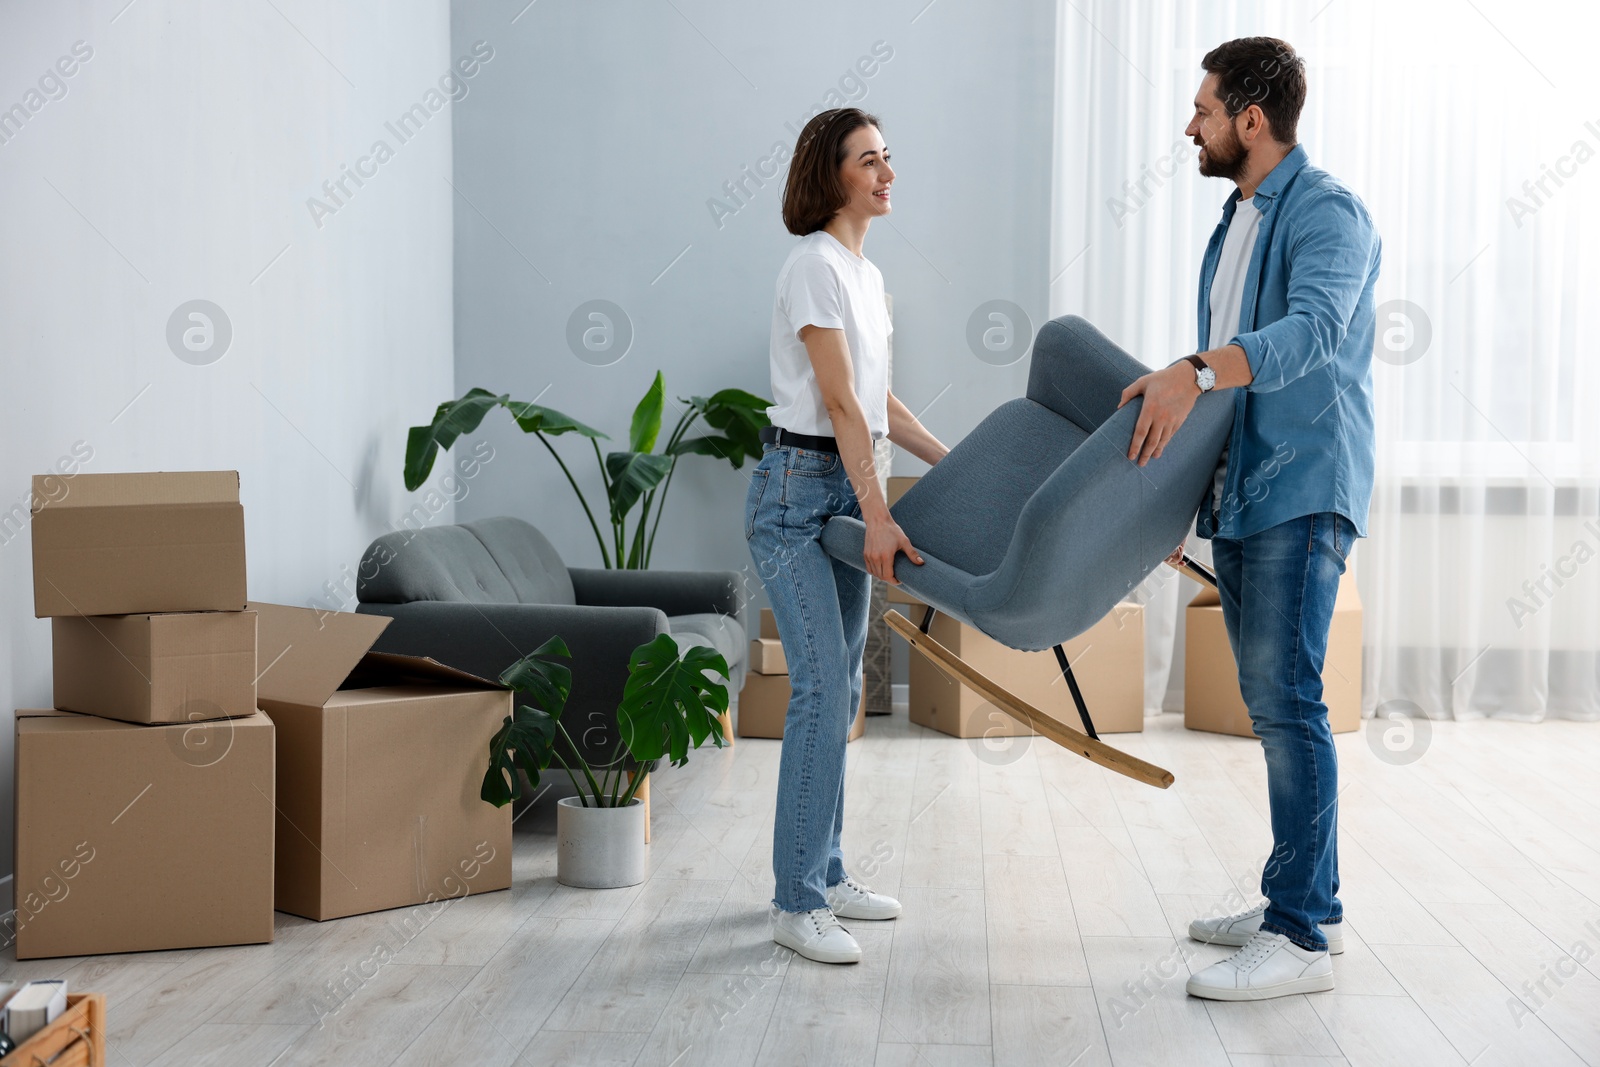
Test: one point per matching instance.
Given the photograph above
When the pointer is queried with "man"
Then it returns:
(1286, 322)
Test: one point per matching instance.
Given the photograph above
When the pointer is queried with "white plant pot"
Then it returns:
(600, 848)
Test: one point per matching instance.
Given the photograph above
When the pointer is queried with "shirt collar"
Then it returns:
(1279, 176)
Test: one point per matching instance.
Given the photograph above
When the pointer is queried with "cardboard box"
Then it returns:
(181, 667)
(380, 760)
(1107, 660)
(123, 544)
(1211, 697)
(766, 656)
(764, 704)
(134, 838)
(769, 625)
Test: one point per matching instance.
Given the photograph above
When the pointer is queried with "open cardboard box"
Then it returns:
(134, 838)
(1107, 660)
(176, 667)
(380, 762)
(121, 544)
(1211, 697)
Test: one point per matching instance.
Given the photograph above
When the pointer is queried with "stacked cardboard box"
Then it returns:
(764, 700)
(144, 799)
(1107, 660)
(148, 813)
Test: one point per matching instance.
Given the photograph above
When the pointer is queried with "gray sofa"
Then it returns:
(480, 595)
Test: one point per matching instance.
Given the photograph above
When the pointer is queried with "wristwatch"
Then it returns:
(1204, 376)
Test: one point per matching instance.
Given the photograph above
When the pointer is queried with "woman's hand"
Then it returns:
(885, 540)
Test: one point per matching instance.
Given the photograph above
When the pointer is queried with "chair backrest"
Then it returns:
(1040, 504)
(501, 560)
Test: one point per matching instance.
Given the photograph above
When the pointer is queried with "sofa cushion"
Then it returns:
(526, 557)
(437, 563)
(723, 633)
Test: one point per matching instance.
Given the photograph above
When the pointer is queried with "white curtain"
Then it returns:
(1472, 132)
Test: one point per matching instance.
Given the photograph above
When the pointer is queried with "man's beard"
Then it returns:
(1225, 156)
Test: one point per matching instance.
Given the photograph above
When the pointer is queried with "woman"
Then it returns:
(830, 383)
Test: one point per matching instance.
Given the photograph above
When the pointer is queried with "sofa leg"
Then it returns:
(726, 719)
(643, 794)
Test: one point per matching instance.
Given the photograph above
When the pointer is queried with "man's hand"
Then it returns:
(1169, 396)
(884, 540)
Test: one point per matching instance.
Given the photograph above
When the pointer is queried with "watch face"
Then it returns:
(1206, 379)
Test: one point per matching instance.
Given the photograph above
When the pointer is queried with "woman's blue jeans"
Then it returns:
(1277, 589)
(820, 606)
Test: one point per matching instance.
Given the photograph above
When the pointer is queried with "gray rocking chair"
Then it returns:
(1037, 524)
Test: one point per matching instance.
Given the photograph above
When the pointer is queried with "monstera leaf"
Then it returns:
(527, 736)
(668, 704)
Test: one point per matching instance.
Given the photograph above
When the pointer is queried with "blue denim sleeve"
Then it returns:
(1330, 255)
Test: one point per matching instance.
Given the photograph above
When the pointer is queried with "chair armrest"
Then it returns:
(674, 592)
(485, 639)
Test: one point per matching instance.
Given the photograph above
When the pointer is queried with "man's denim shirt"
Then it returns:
(1302, 439)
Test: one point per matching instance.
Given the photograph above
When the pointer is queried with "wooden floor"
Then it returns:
(1045, 907)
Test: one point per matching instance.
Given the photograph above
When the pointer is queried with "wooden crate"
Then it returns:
(76, 1039)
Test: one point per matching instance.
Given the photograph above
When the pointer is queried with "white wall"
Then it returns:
(589, 159)
(177, 166)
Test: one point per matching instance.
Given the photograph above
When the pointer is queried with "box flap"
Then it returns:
(391, 668)
(40, 713)
(304, 654)
(157, 487)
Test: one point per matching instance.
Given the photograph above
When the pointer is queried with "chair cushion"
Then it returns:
(437, 563)
(974, 534)
(723, 633)
(492, 561)
(528, 560)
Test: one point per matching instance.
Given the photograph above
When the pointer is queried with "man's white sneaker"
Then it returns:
(1238, 929)
(850, 899)
(816, 935)
(1269, 965)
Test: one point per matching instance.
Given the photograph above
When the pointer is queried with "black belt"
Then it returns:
(776, 435)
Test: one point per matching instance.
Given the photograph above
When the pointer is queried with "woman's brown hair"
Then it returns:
(813, 193)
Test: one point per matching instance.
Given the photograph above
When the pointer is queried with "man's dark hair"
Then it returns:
(1263, 71)
(814, 193)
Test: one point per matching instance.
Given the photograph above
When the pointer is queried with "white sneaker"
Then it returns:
(816, 935)
(850, 899)
(1269, 965)
(1238, 929)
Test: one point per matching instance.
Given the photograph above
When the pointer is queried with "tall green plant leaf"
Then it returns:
(452, 419)
(739, 415)
(536, 419)
(526, 739)
(646, 426)
(633, 474)
(669, 705)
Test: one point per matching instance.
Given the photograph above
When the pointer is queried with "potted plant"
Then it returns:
(670, 704)
(639, 476)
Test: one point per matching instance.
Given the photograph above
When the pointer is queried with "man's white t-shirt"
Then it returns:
(825, 284)
(1227, 296)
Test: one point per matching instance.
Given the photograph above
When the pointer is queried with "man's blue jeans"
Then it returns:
(820, 606)
(1277, 589)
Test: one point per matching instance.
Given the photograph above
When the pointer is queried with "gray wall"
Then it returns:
(588, 156)
(174, 164)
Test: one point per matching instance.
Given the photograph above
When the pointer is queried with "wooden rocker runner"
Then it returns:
(1037, 524)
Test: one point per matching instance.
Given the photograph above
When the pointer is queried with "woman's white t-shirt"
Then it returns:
(825, 284)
